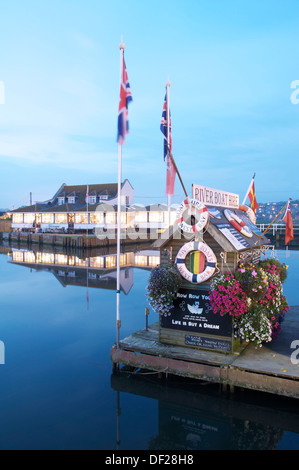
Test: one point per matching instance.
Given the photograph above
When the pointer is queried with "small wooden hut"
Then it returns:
(229, 235)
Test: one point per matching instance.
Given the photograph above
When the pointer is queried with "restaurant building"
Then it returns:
(81, 208)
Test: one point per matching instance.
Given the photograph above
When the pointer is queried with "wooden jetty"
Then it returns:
(71, 240)
(271, 369)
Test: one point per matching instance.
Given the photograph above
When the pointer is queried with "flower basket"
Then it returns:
(164, 283)
(253, 296)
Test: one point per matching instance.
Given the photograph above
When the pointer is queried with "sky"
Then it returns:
(231, 64)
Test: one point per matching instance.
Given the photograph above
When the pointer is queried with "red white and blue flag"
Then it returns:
(167, 132)
(124, 99)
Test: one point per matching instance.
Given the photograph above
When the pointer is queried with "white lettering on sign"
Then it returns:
(215, 197)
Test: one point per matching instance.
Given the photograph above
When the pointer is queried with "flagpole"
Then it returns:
(168, 143)
(273, 221)
(248, 189)
(118, 322)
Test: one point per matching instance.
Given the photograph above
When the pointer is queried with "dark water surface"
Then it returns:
(57, 386)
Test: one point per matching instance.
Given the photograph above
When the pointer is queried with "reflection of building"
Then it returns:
(95, 271)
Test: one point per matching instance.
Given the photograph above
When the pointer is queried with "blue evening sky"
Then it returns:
(230, 63)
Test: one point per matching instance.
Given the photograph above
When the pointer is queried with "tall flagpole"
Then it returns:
(168, 143)
(118, 323)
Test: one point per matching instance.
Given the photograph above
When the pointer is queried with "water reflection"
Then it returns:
(93, 268)
(199, 416)
(65, 384)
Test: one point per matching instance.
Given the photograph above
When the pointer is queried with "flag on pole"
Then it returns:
(124, 99)
(166, 130)
(252, 197)
(289, 234)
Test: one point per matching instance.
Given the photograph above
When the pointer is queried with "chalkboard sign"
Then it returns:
(192, 312)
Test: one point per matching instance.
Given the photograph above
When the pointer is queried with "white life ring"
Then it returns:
(249, 212)
(200, 208)
(210, 264)
(237, 223)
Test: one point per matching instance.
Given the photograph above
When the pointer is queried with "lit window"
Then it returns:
(18, 256)
(81, 262)
(60, 218)
(156, 216)
(110, 261)
(154, 260)
(141, 216)
(81, 218)
(140, 260)
(97, 262)
(110, 218)
(97, 218)
(29, 257)
(47, 218)
(29, 218)
(60, 259)
(61, 201)
(17, 218)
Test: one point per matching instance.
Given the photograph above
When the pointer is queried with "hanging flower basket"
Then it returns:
(253, 296)
(164, 283)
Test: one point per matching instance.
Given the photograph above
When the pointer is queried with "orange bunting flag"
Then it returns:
(252, 198)
(289, 234)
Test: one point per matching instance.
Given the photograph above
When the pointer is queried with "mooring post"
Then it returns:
(146, 318)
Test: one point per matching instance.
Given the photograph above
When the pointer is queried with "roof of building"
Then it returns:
(109, 191)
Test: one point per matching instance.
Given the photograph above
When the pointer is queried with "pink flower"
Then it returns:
(254, 273)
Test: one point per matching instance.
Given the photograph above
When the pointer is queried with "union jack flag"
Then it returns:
(124, 99)
(165, 129)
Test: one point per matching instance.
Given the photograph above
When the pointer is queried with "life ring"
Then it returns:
(210, 265)
(237, 223)
(249, 212)
(200, 208)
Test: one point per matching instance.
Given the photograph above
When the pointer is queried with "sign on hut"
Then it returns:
(211, 236)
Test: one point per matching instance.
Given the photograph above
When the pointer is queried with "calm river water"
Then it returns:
(57, 323)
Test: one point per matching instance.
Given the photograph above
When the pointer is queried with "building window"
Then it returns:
(29, 218)
(17, 218)
(61, 201)
(97, 218)
(60, 218)
(156, 217)
(141, 217)
(71, 200)
(110, 261)
(47, 218)
(81, 218)
(153, 260)
(103, 197)
(60, 259)
(110, 218)
(92, 199)
(140, 260)
(97, 262)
